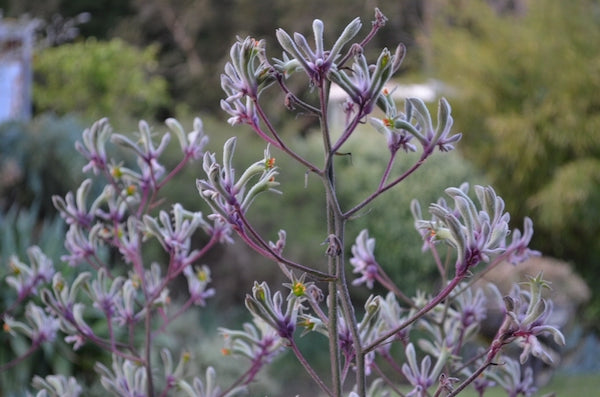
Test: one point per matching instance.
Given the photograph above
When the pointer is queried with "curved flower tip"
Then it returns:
(363, 259)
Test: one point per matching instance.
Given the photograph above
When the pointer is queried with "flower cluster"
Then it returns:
(246, 75)
(398, 127)
(478, 235)
(528, 314)
(230, 198)
(26, 278)
(316, 63)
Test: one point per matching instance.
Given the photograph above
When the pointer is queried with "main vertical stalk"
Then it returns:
(338, 289)
(332, 261)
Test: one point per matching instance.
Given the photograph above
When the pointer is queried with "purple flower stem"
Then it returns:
(429, 306)
(148, 350)
(32, 349)
(350, 128)
(387, 380)
(471, 378)
(279, 143)
(263, 248)
(377, 24)
(396, 181)
(174, 171)
(308, 368)
(388, 169)
(390, 360)
(385, 280)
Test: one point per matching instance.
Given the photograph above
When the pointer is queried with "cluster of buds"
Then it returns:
(399, 128)
(246, 75)
(478, 235)
(316, 63)
(126, 378)
(230, 198)
(56, 385)
(527, 315)
(26, 278)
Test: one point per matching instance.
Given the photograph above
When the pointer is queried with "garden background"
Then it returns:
(523, 78)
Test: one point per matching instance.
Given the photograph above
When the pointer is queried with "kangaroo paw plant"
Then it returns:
(390, 344)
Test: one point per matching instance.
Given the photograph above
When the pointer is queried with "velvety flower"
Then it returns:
(130, 240)
(391, 316)
(529, 313)
(316, 62)
(198, 279)
(421, 377)
(62, 301)
(270, 309)
(208, 387)
(258, 341)
(227, 196)
(469, 307)
(125, 306)
(193, 143)
(396, 138)
(246, 75)
(125, 379)
(74, 208)
(40, 326)
(56, 385)
(119, 204)
(175, 233)
(519, 246)
(510, 376)
(363, 260)
(80, 246)
(104, 292)
(363, 82)
(93, 147)
(26, 278)
(147, 153)
(478, 235)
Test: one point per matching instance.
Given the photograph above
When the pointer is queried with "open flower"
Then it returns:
(93, 147)
(246, 75)
(510, 376)
(198, 279)
(422, 377)
(364, 84)
(40, 326)
(269, 308)
(56, 385)
(228, 196)
(528, 313)
(316, 62)
(193, 143)
(27, 277)
(126, 378)
(363, 260)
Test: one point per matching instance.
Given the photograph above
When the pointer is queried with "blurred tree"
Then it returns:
(528, 101)
(97, 79)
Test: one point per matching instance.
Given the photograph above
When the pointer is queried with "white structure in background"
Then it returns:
(429, 92)
(16, 47)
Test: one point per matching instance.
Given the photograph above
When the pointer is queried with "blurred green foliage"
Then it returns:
(98, 79)
(37, 160)
(20, 229)
(528, 100)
